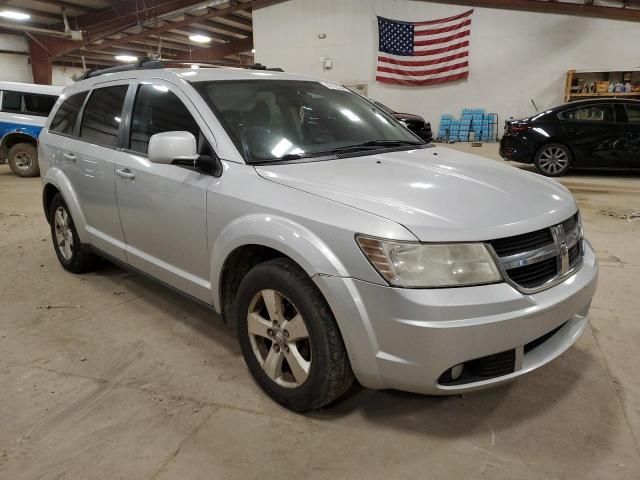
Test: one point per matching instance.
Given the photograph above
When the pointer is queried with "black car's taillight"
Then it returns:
(518, 128)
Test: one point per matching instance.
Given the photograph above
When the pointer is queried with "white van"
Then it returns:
(24, 108)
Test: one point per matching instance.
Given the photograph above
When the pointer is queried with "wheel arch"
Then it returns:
(13, 138)
(254, 239)
(55, 181)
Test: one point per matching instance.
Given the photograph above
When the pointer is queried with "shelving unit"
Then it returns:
(577, 78)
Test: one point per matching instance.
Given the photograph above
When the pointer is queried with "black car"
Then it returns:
(599, 133)
(415, 123)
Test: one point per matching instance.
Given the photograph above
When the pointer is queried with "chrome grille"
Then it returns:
(534, 261)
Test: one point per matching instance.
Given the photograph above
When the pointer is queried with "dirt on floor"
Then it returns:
(109, 375)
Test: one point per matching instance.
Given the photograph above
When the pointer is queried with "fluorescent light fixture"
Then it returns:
(126, 58)
(200, 38)
(13, 15)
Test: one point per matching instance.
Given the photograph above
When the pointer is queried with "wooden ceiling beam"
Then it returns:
(153, 43)
(68, 6)
(224, 28)
(542, 6)
(245, 22)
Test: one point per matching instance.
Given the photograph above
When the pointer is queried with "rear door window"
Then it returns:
(591, 113)
(158, 110)
(65, 118)
(103, 115)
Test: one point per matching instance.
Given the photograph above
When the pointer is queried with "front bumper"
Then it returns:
(406, 339)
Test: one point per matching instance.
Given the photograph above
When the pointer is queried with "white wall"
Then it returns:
(514, 56)
(16, 68)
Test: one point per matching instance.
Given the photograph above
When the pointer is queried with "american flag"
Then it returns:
(423, 53)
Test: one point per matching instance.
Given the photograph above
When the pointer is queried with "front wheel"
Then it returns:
(553, 160)
(289, 337)
(23, 160)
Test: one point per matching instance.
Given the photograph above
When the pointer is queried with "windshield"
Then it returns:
(280, 120)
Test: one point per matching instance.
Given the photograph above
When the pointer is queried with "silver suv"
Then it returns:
(335, 242)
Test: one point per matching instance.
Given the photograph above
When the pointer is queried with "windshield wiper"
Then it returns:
(369, 145)
(374, 144)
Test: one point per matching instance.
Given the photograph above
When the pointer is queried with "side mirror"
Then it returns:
(166, 147)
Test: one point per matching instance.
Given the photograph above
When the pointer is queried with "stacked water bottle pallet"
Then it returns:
(474, 125)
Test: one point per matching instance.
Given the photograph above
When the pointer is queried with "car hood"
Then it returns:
(439, 194)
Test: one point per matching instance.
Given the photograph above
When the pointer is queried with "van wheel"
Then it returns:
(289, 337)
(553, 160)
(73, 256)
(23, 160)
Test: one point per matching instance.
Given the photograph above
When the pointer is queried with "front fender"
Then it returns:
(292, 239)
(56, 177)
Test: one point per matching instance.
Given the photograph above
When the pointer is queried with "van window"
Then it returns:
(28, 103)
(40, 105)
(65, 118)
(102, 116)
(158, 110)
(11, 101)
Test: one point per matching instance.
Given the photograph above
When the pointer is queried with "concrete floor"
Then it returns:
(109, 375)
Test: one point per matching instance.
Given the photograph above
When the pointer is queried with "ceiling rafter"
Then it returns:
(212, 13)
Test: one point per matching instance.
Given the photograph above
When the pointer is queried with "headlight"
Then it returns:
(411, 264)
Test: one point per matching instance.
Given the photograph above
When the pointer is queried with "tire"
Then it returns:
(553, 160)
(23, 160)
(328, 374)
(73, 255)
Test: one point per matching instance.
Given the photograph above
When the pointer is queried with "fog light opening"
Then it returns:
(456, 371)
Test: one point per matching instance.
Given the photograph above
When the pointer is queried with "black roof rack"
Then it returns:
(259, 66)
(142, 64)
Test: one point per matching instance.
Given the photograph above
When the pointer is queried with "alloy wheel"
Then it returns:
(64, 234)
(553, 160)
(279, 338)
(23, 161)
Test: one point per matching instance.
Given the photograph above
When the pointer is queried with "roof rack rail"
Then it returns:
(142, 64)
(259, 66)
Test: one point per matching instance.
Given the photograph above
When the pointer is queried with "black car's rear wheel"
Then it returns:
(553, 160)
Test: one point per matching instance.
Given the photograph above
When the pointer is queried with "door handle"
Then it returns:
(125, 173)
(69, 156)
